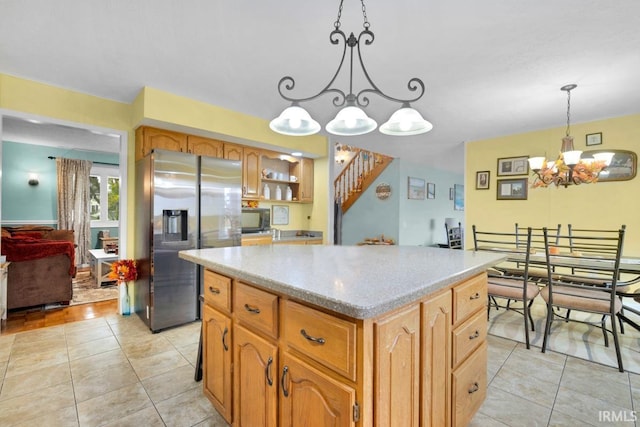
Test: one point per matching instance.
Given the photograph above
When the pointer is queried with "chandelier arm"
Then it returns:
(415, 84)
(288, 83)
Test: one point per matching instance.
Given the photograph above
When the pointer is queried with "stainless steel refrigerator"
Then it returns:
(183, 201)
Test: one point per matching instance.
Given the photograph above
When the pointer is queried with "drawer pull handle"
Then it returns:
(214, 290)
(474, 296)
(310, 338)
(285, 392)
(474, 388)
(475, 335)
(224, 338)
(254, 310)
(267, 371)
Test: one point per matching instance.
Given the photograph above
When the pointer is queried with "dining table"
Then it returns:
(627, 286)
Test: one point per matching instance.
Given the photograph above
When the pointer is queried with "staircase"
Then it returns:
(358, 175)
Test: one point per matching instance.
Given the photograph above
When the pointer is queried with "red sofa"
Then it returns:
(42, 265)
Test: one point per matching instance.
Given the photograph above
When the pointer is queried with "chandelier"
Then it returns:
(351, 119)
(570, 167)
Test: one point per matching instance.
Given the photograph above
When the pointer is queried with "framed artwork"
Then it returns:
(458, 197)
(482, 180)
(513, 166)
(416, 188)
(623, 166)
(431, 190)
(512, 189)
(594, 138)
(280, 215)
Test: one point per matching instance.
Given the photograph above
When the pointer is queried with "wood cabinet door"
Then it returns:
(255, 380)
(217, 360)
(201, 146)
(251, 176)
(149, 138)
(397, 369)
(232, 152)
(312, 399)
(306, 180)
(436, 386)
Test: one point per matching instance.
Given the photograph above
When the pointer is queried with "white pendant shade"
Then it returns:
(535, 163)
(351, 121)
(571, 158)
(604, 157)
(406, 121)
(294, 121)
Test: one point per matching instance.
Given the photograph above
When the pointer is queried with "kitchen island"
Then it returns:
(344, 335)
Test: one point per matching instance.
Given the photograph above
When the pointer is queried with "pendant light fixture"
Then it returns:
(570, 167)
(351, 119)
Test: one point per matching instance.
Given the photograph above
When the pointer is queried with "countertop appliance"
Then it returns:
(255, 220)
(183, 201)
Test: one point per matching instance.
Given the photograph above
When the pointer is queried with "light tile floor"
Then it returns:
(112, 371)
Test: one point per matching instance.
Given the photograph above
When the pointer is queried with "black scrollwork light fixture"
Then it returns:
(351, 119)
(570, 167)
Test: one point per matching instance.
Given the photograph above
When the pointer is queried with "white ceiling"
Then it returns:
(491, 67)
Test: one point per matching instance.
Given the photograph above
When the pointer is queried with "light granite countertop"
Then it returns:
(358, 281)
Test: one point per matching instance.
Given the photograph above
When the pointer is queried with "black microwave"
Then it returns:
(255, 220)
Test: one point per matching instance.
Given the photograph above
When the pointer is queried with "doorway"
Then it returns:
(23, 128)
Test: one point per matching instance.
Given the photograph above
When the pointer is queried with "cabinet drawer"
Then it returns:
(469, 385)
(217, 290)
(469, 297)
(256, 308)
(468, 336)
(326, 339)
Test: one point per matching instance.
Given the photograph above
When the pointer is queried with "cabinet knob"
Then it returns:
(224, 339)
(310, 338)
(474, 296)
(267, 371)
(475, 387)
(253, 310)
(283, 382)
(475, 335)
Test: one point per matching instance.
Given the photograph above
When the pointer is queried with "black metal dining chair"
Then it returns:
(509, 282)
(583, 273)
(454, 236)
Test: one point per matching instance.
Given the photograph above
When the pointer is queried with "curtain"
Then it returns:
(73, 203)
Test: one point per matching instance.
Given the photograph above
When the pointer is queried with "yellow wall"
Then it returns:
(153, 106)
(604, 205)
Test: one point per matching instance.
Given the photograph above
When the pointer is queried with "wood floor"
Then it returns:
(34, 318)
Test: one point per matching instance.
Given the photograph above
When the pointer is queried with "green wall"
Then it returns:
(407, 222)
(37, 204)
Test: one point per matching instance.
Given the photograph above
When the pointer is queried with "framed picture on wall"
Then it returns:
(280, 215)
(458, 197)
(512, 189)
(482, 180)
(513, 166)
(416, 188)
(594, 138)
(431, 190)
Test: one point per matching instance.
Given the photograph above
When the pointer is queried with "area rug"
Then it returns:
(572, 338)
(86, 290)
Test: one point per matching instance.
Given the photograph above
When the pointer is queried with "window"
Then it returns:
(104, 196)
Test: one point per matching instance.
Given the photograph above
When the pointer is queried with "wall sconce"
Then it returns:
(33, 179)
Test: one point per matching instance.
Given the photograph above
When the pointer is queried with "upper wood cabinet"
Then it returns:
(280, 169)
(253, 181)
(148, 138)
(202, 146)
(250, 158)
